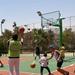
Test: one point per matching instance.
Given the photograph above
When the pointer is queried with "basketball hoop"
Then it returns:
(49, 24)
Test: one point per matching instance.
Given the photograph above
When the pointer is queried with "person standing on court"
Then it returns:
(14, 53)
(37, 51)
(62, 50)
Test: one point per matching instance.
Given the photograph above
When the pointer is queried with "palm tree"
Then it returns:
(42, 37)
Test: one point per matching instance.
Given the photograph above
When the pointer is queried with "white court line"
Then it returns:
(21, 72)
(64, 67)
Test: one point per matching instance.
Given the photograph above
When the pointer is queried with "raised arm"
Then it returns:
(50, 56)
(22, 37)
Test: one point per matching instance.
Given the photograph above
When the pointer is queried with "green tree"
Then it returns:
(68, 38)
(3, 40)
(7, 34)
(3, 47)
(43, 38)
(51, 36)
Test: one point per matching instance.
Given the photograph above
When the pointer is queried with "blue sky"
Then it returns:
(25, 11)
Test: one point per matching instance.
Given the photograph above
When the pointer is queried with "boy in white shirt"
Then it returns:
(44, 64)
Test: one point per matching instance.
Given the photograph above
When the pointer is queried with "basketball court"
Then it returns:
(25, 69)
(49, 20)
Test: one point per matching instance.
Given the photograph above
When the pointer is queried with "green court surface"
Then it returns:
(25, 64)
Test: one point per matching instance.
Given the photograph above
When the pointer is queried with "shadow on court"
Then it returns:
(63, 72)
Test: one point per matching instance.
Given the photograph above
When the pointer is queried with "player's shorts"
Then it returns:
(59, 64)
(37, 54)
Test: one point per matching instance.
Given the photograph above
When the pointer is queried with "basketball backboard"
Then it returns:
(51, 18)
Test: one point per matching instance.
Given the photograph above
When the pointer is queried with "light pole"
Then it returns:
(3, 20)
(27, 27)
(16, 28)
(40, 14)
(14, 24)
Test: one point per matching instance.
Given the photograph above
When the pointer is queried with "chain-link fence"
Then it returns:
(69, 33)
(68, 26)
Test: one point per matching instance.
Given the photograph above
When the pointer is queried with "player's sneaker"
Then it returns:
(74, 71)
(66, 73)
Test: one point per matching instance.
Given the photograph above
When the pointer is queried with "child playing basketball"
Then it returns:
(59, 59)
(44, 64)
(62, 50)
(37, 51)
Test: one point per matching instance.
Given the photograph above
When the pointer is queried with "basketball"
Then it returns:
(32, 65)
(21, 29)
